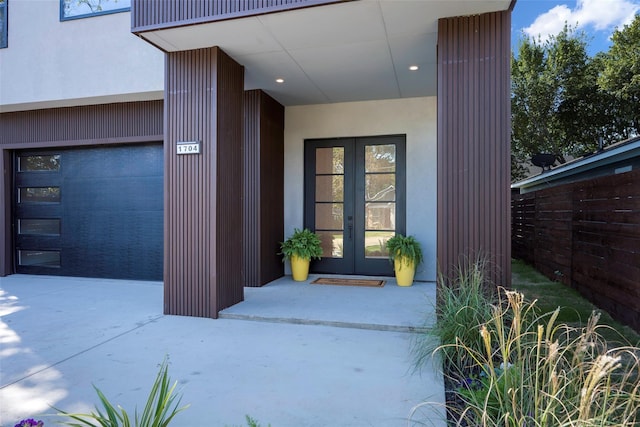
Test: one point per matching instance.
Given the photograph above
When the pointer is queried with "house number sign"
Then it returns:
(188, 147)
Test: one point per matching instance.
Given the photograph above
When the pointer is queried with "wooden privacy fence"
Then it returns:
(586, 235)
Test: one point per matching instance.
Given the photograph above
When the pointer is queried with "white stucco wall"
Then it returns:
(414, 117)
(50, 63)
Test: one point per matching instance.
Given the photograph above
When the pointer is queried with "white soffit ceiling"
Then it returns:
(352, 51)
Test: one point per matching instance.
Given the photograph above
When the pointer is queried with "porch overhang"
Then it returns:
(333, 52)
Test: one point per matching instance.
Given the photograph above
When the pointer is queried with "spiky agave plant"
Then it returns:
(161, 407)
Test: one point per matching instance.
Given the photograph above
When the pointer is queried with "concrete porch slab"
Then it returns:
(387, 308)
(60, 335)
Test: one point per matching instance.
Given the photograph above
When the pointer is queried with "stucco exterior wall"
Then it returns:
(414, 117)
(50, 63)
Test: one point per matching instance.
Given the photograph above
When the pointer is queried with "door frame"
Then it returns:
(354, 147)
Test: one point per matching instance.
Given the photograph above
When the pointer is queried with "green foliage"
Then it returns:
(574, 309)
(464, 304)
(521, 368)
(518, 169)
(563, 101)
(406, 247)
(535, 372)
(252, 422)
(621, 77)
(303, 244)
(487, 386)
(532, 101)
(556, 104)
(159, 411)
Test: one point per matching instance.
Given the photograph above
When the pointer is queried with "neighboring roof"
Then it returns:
(571, 171)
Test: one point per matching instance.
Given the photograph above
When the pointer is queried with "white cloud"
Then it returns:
(601, 15)
(551, 22)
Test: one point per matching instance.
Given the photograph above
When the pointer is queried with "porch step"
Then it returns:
(336, 324)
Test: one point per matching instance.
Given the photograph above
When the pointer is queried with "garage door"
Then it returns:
(90, 212)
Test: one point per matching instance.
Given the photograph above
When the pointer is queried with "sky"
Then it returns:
(597, 18)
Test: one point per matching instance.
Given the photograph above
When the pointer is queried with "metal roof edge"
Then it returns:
(613, 153)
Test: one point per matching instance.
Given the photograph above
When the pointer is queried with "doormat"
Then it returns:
(349, 282)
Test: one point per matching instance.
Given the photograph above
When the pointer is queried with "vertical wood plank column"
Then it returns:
(203, 192)
(474, 142)
(263, 188)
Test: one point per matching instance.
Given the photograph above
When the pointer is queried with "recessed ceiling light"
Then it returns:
(413, 67)
(279, 80)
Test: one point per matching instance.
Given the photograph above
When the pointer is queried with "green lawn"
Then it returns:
(574, 309)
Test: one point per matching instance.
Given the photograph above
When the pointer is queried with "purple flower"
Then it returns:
(471, 383)
(30, 422)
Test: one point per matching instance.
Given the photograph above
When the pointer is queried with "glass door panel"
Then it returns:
(380, 199)
(329, 200)
(330, 160)
(37, 205)
(354, 199)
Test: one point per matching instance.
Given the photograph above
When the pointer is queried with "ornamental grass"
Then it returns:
(522, 368)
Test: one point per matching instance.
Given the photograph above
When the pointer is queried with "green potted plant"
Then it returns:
(300, 248)
(406, 254)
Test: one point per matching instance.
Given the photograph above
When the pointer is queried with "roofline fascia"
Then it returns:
(620, 153)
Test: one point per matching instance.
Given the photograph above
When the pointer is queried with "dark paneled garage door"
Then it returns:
(90, 212)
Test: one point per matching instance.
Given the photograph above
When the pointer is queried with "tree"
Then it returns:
(620, 78)
(532, 101)
(556, 104)
(582, 110)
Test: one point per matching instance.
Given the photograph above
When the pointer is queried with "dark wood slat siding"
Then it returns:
(252, 225)
(229, 157)
(127, 121)
(473, 142)
(272, 188)
(115, 123)
(263, 188)
(148, 15)
(203, 207)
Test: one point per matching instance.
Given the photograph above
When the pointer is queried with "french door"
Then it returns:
(355, 201)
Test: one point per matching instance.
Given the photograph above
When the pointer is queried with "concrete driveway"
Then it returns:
(291, 354)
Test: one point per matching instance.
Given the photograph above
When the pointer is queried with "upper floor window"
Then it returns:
(74, 9)
(3, 23)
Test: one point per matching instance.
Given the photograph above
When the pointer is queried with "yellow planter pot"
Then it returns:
(299, 268)
(405, 270)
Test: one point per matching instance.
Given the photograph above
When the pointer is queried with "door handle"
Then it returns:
(350, 226)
